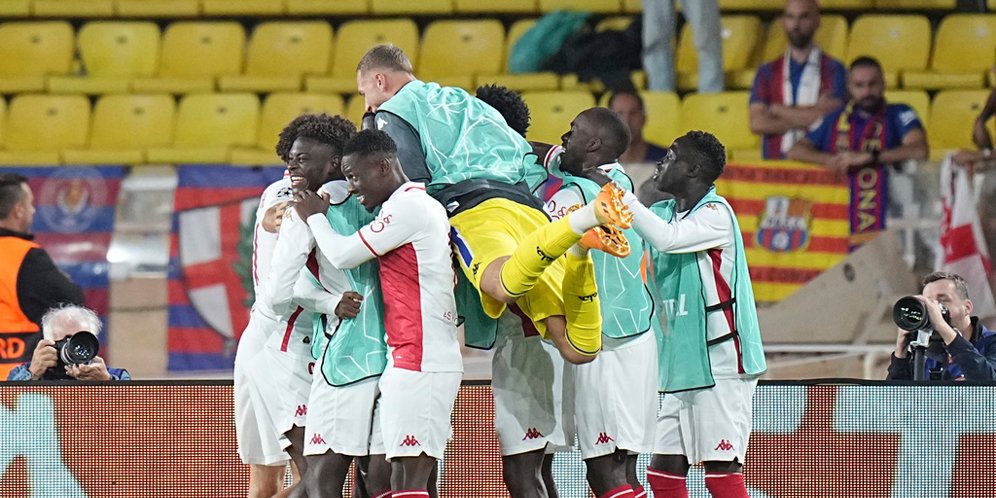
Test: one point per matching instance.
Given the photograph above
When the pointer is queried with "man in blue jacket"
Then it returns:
(969, 348)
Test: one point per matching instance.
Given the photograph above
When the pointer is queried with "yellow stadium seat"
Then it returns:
(663, 110)
(963, 52)
(846, 4)
(3, 117)
(478, 45)
(334, 7)
(917, 99)
(353, 40)
(73, 8)
(617, 23)
(741, 35)
(193, 55)
(952, 115)
(355, 108)
(39, 126)
(157, 8)
(242, 7)
(207, 126)
(280, 54)
(722, 114)
(551, 113)
(123, 126)
(279, 109)
(751, 4)
(496, 6)
(520, 81)
(899, 42)
(831, 38)
(915, 4)
(597, 6)
(15, 8)
(408, 7)
(113, 54)
(29, 51)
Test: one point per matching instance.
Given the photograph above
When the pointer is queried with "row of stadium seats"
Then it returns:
(193, 8)
(236, 128)
(204, 56)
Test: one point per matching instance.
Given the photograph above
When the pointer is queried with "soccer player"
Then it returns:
(410, 239)
(484, 174)
(533, 413)
(710, 352)
(616, 394)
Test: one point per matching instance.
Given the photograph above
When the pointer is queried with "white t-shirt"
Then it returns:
(410, 236)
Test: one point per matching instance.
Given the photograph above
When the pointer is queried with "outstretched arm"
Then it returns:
(708, 229)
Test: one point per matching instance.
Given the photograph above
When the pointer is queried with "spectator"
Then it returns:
(629, 106)
(58, 324)
(794, 91)
(659, 25)
(969, 348)
(30, 283)
(860, 140)
(982, 158)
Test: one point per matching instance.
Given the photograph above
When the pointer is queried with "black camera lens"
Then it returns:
(78, 348)
(910, 314)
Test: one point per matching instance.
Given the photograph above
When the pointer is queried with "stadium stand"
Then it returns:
(963, 54)
(30, 51)
(280, 54)
(915, 4)
(112, 54)
(73, 8)
(242, 7)
(596, 6)
(407, 7)
(831, 37)
(497, 6)
(919, 100)
(520, 81)
(278, 110)
(663, 111)
(123, 126)
(207, 126)
(37, 127)
(899, 42)
(157, 8)
(741, 35)
(479, 45)
(326, 7)
(725, 115)
(353, 39)
(952, 113)
(552, 112)
(194, 54)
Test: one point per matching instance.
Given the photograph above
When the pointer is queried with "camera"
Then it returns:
(75, 349)
(911, 315)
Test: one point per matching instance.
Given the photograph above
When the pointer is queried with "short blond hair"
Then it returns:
(385, 56)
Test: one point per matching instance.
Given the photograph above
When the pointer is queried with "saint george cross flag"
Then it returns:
(963, 247)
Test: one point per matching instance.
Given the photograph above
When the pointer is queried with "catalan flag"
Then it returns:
(794, 219)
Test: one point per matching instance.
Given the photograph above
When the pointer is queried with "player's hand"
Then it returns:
(980, 135)
(274, 216)
(95, 370)
(307, 203)
(349, 305)
(44, 358)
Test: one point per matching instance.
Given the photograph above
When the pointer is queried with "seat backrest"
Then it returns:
(123, 121)
(515, 31)
(36, 48)
(279, 109)
(899, 42)
(915, 4)
(291, 48)
(965, 42)
(203, 49)
(951, 116)
(663, 110)
(355, 107)
(47, 122)
(599, 6)
(354, 38)
(723, 114)
(217, 119)
(740, 34)
(831, 38)
(459, 48)
(119, 48)
(551, 112)
(917, 99)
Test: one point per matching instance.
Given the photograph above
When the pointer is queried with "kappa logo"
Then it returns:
(532, 433)
(302, 410)
(724, 445)
(544, 256)
(410, 441)
(317, 439)
(603, 438)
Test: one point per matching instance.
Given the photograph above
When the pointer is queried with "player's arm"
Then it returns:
(394, 226)
(410, 152)
(311, 295)
(289, 258)
(708, 228)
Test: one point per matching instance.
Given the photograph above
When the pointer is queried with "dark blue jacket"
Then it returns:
(960, 360)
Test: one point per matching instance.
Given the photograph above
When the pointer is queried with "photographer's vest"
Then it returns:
(357, 349)
(463, 138)
(683, 342)
(626, 303)
(18, 334)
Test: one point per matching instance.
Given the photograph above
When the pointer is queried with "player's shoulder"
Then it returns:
(279, 190)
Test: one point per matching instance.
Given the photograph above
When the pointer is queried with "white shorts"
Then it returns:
(533, 392)
(615, 397)
(284, 382)
(415, 410)
(344, 419)
(707, 424)
(257, 440)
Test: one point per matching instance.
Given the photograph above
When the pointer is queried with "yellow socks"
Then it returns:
(581, 305)
(534, 254)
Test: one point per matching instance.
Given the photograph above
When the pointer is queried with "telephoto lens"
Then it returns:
(78, 348)
(910, 314)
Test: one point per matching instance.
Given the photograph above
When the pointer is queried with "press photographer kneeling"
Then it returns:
(68, 350)
(955, 344)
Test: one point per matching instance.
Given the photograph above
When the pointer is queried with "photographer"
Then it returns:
(966, 349)
(59, 324)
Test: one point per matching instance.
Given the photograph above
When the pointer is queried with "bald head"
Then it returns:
(800, 20)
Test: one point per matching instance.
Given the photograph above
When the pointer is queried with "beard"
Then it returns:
(870, 104)
(798, 39)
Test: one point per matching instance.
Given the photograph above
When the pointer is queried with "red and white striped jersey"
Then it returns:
(410, 237)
